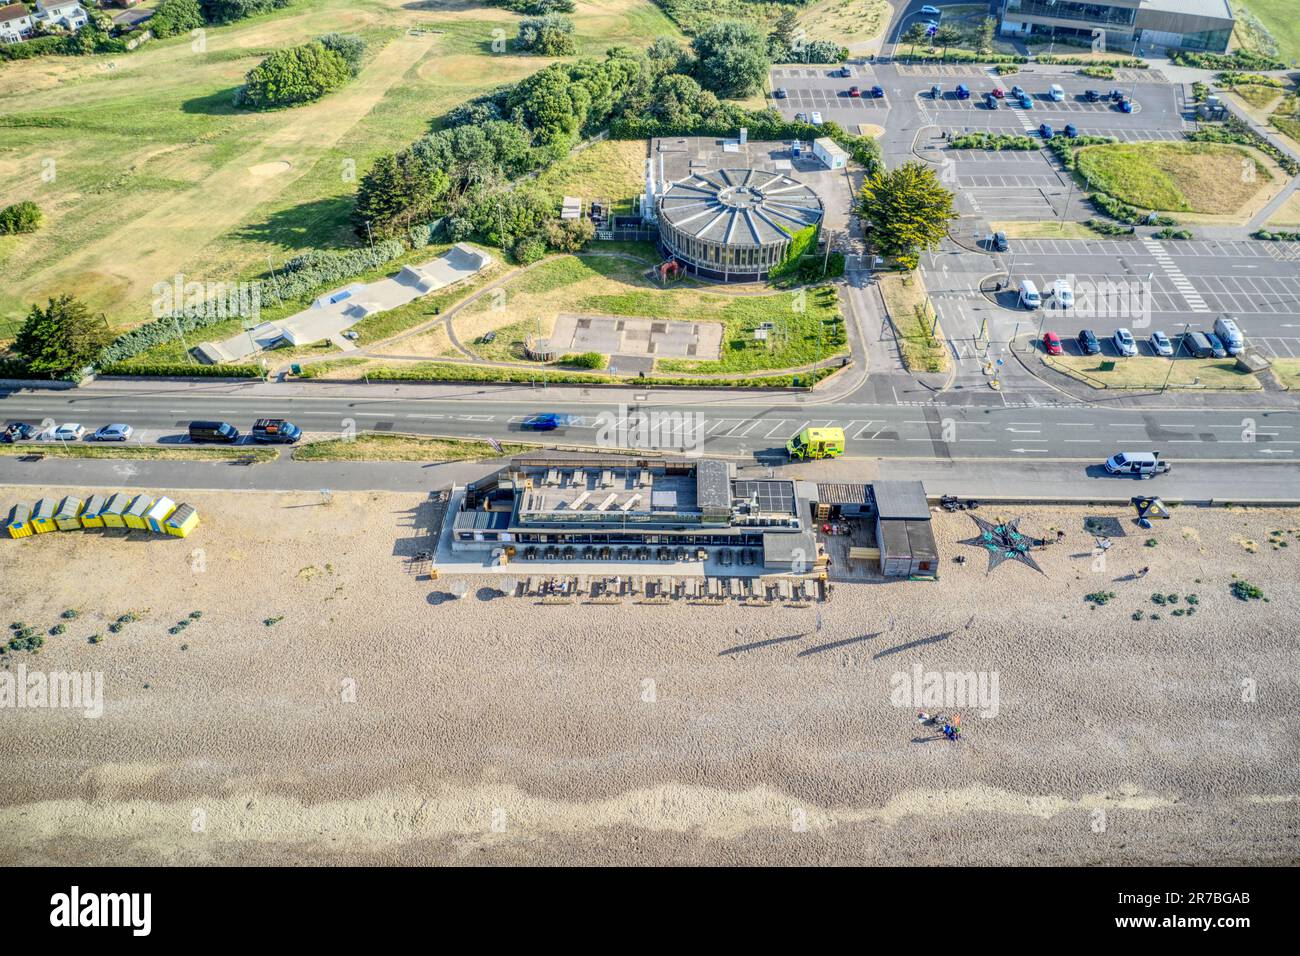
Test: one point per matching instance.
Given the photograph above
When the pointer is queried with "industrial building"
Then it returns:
(559, 507)
(1125, 24)
(721, 215)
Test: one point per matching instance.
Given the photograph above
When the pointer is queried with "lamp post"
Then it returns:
(1181, 342)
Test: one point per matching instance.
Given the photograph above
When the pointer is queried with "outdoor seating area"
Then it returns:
(663, 589)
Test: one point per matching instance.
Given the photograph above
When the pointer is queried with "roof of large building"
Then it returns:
(740, 207)
(901, 499)
(1198, 8)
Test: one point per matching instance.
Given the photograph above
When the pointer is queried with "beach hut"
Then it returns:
(160, 512)
(183, 520)
(19, 522)
(90, 514)
(43, 516)
(135, 512)
(112, 513)
(68, 517)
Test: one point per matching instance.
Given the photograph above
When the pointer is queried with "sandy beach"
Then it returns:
(331, 706)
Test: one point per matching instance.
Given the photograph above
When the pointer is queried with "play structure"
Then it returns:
(1004, 542)
(119, 510)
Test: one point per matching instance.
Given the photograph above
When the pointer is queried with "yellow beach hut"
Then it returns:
(90, 514)
(112, 513)
(135, 512)
(19, 522)
(160, 512)
(68, 517)
(183, 520)
(43, 516)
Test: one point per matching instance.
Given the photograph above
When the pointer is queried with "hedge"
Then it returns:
(1271, 236)
(1125, 213)
(993, 141)
(1237, 60)
(183, 370)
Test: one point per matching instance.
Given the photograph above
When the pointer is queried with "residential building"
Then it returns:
(61, 14)
(16, 23)
(1125, 25)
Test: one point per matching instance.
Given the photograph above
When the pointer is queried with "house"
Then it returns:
(15, 23)
(61, 14)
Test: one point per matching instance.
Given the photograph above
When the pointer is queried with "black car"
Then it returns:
(1216, 343)
(780, 93)
(222, 432)
(1088, 343)
(1000, 243)
(990, 101)
(1116, 95)
(1092, 96)
(17, 431)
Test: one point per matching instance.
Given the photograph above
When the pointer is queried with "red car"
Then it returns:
(854, 91)
(999, 92)
(1052, 343)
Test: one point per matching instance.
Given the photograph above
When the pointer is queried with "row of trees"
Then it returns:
(174, 17)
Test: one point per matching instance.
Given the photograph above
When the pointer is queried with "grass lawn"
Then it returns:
(613, 285)
(850, 23)
(1261, 97)
(1047, 230)
(371, 446)
(913, 319)
(1288, 214)
(1211, 178)
(143, 168)
(611, 169)
(1279, 18)
(127, 450)
(1287, 372)
(1151, 372)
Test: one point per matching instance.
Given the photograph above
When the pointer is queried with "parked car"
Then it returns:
(877, 92)
(1017, 91)
(1216, 344)
(1229, 333)
(1197, 345)
(846, 70)
(1051, 343)
(1160, 344)
(1046, 131)
(1139, 464)
(1071, 130)
(854, 91)
(221, 432)
(816, 118)
(963, 91)
(275, 431)
(1116, 95)
(999, 92)
(780, 93)
(1063, 294)
(1126, 106)
(990, 101)
(68, 432)
(931, 11)
(1056, 92)
(112, 433)
(936, 91)
(1088, 342)
(1092, 96)
(1025, 102)
(17, 431)
(1029, 295)
(1125, 344)
(1000, 243)
(544, 422)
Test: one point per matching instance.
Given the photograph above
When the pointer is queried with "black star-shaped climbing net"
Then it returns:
(1004, 542)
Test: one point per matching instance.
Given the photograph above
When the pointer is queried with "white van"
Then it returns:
(1230, 334)
(1029, 296)
(1057, 92)
(1140, 464)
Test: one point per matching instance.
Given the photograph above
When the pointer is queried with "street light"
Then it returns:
(1181, 342)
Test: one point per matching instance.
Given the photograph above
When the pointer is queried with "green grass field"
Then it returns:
(1280, 20)
(143, 168)
(1177, 177)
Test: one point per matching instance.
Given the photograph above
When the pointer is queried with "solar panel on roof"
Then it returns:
(771, 496)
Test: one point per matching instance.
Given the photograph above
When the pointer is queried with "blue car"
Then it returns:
(963, 91)
(877, 91)
(1126, 106)
(1046, 131)
(1025, 102)
(1071, 130)
(547, 422)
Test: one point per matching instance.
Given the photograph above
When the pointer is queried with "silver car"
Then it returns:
(1125, 344)
(1160, 344)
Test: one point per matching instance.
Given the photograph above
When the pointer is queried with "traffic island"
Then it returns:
(1153, 374)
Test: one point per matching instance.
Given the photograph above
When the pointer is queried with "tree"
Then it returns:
(22, 216)
(785, 34)
(347, 45)
(294, 76)
(61, 338)
(400, 190)
(988, 30)
(732, 58)
(666, 56)
(228, 11)
(907, 211)
(915, 34)
(174, 17)
(549, 35)
(946, 36)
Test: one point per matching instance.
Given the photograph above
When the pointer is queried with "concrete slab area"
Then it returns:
(658, 338)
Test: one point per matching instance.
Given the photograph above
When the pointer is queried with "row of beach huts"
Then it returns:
(142, 512)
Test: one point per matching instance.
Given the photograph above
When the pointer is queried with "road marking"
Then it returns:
(775, 428)
(862, 429)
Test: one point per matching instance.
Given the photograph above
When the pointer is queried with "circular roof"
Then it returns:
(740, 207)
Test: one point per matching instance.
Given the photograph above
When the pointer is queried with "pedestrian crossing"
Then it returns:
(1175, 275)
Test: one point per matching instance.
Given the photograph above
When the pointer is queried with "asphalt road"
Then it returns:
(753, 429)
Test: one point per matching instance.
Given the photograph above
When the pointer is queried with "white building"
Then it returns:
(61, 15)
(830, 152)
(15, 23)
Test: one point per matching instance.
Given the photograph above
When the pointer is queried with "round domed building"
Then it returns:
(736, 225)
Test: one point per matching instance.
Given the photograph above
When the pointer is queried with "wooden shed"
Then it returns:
(159, 513)
(90, 514)
(43, 516)
(68, 517)
(907, 546)
(19, 522)
(135, 512)
(112, 513)
(182, 521)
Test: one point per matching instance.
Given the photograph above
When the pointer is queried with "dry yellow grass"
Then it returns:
(1288, 214)
(851, 23)
(1045, 230)
(1145, 372)
(923, 350)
